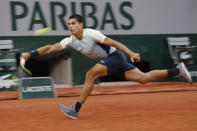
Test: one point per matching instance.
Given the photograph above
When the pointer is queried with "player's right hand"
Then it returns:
(135, 57)
(25, 56)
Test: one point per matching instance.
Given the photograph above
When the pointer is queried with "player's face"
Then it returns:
(74, 26)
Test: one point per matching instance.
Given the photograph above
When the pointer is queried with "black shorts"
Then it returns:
(116, 63)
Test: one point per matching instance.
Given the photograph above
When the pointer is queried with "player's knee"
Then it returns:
(90, 75)
(143, 79)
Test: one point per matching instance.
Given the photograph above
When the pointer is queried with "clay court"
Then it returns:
(150, 107)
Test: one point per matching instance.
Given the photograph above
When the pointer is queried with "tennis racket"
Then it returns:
(22, 70)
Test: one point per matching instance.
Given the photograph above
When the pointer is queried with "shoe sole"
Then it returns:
(187, 72)
(66, 113)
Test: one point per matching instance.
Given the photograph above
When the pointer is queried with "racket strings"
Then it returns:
(26, 70)
(23, 71)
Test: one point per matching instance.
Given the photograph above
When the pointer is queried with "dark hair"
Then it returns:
(79, 18)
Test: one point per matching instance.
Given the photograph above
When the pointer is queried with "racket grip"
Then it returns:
(22, 61)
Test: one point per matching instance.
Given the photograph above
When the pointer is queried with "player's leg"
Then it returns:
(112, 64)
(141, 77)
(95, 72)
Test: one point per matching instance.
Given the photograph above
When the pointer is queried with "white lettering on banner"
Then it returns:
(110, 16)
(36, 89)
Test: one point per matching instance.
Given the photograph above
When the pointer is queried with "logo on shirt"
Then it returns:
(102, 61)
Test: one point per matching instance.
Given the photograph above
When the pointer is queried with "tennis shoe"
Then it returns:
(184, 73)
(69, 111)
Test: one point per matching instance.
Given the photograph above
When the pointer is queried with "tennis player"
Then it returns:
(111, 60)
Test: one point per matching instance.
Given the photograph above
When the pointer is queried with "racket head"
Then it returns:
(26, 70)
(23, 72)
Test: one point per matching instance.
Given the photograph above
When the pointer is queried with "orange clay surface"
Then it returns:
(150, 107)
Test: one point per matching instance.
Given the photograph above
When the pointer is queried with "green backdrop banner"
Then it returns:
(153, 49)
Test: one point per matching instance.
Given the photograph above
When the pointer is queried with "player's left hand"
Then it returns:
(135, 57)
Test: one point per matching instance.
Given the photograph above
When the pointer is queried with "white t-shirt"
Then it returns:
(90, 45)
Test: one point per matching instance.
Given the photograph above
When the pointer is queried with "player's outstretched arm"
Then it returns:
(133, 56)
(48, 49)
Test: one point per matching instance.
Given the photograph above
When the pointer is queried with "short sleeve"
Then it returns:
(65, 42)
(97, 35)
